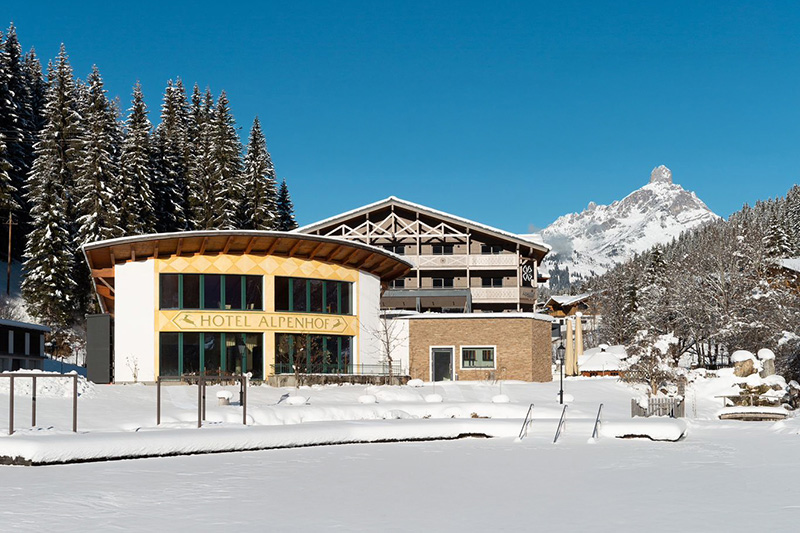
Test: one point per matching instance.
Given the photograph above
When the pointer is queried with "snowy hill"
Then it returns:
(591, 242)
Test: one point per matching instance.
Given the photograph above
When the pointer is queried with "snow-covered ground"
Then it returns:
(733, 476)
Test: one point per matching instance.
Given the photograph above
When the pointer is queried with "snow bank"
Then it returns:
(741, 355)
(666, 429)
(66, 448)
(48, 387)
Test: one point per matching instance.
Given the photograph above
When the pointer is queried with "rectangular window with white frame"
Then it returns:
(477, 357)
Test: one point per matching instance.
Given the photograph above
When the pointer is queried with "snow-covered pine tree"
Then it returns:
(171, 166)
(98, 184)
(136, 160)
(227, 166)
(284, 210)
(260, 194)
(13, 126)
(48, 286)
(98, 188)
(6, 189)
(776, 240)
(793, 218)
(201, 190)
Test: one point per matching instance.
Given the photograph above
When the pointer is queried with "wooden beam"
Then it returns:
(104, 282)
(113, 258)
(227, 245)
(250, 244)
(336, 250)
(273, 245)
(155, 250)
(394, 272)
(203, 246)
(364, 260)
(315, 250)
(133, 254)
(103, 272)
(294, 248)
(105, 292)
(179, 249)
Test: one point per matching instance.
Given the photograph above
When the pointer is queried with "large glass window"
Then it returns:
(233, 292)
(302, 295)
(442, 282)
(211, 353)
(170, 295)
(254, 288)
(442, 249)
(491, 249)
(212, 291)
(491, 282)
(190, 291)
(477, 357)
(312, 354)
(169, 358)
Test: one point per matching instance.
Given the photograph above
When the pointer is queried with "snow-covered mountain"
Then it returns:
(591, 242)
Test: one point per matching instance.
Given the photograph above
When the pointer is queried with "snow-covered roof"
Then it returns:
(596, 360)
(26, 325)
(566, 299)
(535, 316)
(791, 263)
(428, 210)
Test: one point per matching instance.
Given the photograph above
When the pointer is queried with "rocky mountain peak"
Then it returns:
(661, 174)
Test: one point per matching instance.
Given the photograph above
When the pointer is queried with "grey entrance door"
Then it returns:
(442, 364)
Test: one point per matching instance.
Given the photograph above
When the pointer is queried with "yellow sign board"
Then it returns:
(255, 321)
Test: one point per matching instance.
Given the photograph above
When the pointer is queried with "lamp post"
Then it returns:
(560, 356)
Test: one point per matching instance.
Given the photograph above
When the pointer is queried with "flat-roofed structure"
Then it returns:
(230, 302)
(459, 265)
(22, 345)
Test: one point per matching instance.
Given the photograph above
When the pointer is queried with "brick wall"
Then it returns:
(523, 346)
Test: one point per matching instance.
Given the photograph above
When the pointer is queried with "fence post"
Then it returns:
(33, 402)
(11, 408)
(158, 401)
(203, 380)
(244, 400)
(75, 403)
(199, 404)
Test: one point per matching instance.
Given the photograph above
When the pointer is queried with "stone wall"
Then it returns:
(522, 346)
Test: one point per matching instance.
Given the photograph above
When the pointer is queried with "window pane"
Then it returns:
(282, 294)
(345, 289)
(255, 355)
(233, 292)
(169, 291)
(254, 290)
(168, 355)
(212, 353)
(191, 353)
(477, 357)
(330, 354)
(235, 352)
(331, 297)
(191, 291)
(283, 363)
(299, 295)
(345, 355)
(212, 291)
(300, 353)
(316, 296)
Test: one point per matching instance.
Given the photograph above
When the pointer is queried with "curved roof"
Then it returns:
(102, 256)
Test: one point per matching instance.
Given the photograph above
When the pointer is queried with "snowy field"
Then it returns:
(724, 476)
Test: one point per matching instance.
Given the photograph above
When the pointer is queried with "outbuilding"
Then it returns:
(236, 301)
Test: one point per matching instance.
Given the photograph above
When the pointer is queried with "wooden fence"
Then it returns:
(673, 407)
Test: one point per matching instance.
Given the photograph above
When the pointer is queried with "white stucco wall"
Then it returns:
(134, 321)
(368, 302)
(398, 332)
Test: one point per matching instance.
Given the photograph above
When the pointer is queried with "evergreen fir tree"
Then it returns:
(201, 186)
(97, 184)
(227, 167)
(776, 241)
(13, 126)
(48, 286)
(171, 165)
(136, 159)
(258, 183)
(284, 210)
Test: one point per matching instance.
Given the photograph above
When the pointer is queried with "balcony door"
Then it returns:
(442, 364)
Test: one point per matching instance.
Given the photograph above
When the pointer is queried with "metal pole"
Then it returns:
(204, 397)
(11, 408)
(75, 403)
(561, 383)
(244, 400)
(158, 401)
(199, 404)
(33, 403)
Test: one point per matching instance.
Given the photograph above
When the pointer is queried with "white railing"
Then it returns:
(494, 294)
(498, 260)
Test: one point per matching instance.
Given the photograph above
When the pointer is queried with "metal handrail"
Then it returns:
(33, 376)
(523, 432)
(201, 380)
(560, 423)
(597, 421)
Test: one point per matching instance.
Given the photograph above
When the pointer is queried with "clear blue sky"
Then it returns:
(510, 113)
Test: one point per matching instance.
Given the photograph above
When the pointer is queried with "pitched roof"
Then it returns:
(527, 240)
